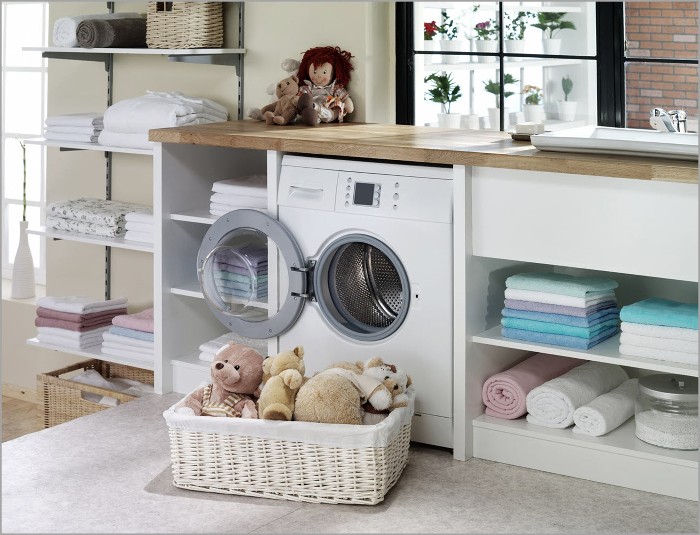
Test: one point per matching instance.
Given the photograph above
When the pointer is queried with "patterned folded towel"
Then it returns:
(655, 311)
(547, 308)
(575, 342)
(558, 299)
(558, 328)
(98, 211)
(574, 321)
(84, 227)
(81, 304)
(140, 321)
(558, 283)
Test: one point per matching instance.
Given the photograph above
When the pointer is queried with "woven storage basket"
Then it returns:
(185, 25)
(299, 461)
(61, 398)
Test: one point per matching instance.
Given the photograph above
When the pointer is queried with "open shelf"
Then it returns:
(192, 362)
(120, 243)
(200, 215)
(94, 352)
(75, 145)
(607, 351)
(192, 289)
(474, 65)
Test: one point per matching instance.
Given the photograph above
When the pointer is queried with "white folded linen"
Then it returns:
(206, 356)
(86, 130)
(212, 346)
(127, 141)
(553, 403)
(80, 304)
(76, 119)
(66, 334)
(139, 227)
(65, 28)
(63, 136)
(681, 357)
(558, 299)
(130, 353)
(218, 212)
(608, 411)
(660, 331)
(659, 343)
(127, 340)
(238, 200)
(140, 217)
(251, 185)
(132, 235)
(68, 344)
(126, 347)
(198, 104)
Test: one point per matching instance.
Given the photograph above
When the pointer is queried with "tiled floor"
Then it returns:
(19, 418)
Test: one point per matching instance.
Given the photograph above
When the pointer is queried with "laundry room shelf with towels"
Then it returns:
(73, 145)
(94, 352)
(200, 215)
(120, 243)
(194, 290)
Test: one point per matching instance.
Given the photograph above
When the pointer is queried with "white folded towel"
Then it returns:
(238, 200)
(140, 217)
(132, 354)
(608, 411)
(553, 403)
(681, 357)
(78, 138)
(659, 343)
(252, 186)
(80, 304)
(65, 28)
(660, 331)
(557, 299)
(93, 119)
(85, 130)
(59, 341)
(127, 141)
(206, 356)
(132, 235)
(212, 346)
(139, 227)
(198, 104)
(218, 212)
(66, 334)
(125, 347)
(127, 341)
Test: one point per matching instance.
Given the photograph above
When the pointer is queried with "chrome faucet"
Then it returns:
(668, 121)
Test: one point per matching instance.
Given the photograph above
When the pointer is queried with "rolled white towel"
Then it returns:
(65, 28)
(608, 411)
(668, 344)
(553, 403)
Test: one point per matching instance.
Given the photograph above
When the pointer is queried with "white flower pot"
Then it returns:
(430, 45)
(495, 118)
(566, 110)
(514, 46)
(486, 46)
(449, 120)
(551, 46)
(534, 113)
(470, 121)
(454, 45)
(23, 268)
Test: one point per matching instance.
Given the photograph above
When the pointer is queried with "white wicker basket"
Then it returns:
(185, 25)
(299, 461)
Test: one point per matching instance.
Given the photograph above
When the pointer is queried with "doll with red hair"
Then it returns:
(323, 74)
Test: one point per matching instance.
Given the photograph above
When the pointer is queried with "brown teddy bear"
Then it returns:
(285, 374)
(284, 109)
(235, 373)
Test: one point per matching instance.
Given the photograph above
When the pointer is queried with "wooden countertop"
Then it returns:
(422, 144)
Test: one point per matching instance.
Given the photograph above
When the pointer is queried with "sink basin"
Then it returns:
(627, 141)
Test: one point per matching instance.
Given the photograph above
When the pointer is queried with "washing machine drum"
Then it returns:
(359, 283)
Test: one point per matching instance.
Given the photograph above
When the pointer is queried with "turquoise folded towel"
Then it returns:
(558, 328)
(226, 275)
(558, 283)
(656, 311)
(558, 339)
(575, 321)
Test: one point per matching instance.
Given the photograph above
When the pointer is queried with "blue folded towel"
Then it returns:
(237, 277)
(558, 328)
(558, 283)
(575, 321)
(656, 311)
(558, 339)
(131, 333)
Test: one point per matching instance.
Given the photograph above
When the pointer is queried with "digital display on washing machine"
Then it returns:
(364, 194)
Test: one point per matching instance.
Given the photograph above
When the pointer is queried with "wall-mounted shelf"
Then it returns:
(74, 145)
(120, 243)
(94, 352)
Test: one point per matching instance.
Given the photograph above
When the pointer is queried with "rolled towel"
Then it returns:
(112, 33)
(557, 299)
(659, 343)
(575, 342)
(553, 403)
(80, 304)
(238, 200)
(563, 319)
(559, 283)
(608, 411)
(659, 331)
(558, 328)
(504, 393)
(66, 28)
(655, 311)
(90, 119)
(559, 309)
(681, 357)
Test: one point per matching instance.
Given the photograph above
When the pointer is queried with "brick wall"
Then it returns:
(661, 30)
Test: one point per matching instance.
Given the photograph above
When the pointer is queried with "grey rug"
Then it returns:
(110, 473)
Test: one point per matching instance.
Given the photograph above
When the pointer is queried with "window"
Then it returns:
(24, 76)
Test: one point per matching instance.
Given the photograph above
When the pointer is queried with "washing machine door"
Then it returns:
(234, 262)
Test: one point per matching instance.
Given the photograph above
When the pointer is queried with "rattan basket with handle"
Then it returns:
(185, 25)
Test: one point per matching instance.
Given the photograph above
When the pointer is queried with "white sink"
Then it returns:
(628, 141)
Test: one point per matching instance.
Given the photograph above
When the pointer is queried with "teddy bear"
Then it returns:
(290, 66)
(284, 109)
(285, 374)
(336, 395)
(377, 368)
(236, 372)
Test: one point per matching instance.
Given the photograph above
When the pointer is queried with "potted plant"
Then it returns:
(449, 41)
(23, 267)
(430, 30)
(444, 91)
(515, 31)
(566, 108)
(495, 89)
(551, 24)
(534, 104)
(485, 37)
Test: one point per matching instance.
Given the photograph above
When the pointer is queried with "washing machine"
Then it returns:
(358, 264)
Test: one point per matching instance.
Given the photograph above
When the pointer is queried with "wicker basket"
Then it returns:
(185, 25)
(61, 398)
(298, 461)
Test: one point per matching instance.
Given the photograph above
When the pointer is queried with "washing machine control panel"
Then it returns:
(366, 194)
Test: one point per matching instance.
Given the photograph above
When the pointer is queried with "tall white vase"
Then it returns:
(514, 46)
(430, 45)
(551, 46)
(486, 46)
(447, 45)
(23, 268)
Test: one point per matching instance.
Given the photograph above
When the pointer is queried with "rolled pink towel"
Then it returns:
(141, 321)
(78, 318)
(71, 325)
(504, 393)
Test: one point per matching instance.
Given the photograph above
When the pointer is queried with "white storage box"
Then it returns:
(299, 461)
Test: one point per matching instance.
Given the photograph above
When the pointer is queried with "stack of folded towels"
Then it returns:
(65, 29)
(660, 329)
(241, 273)
(75, 127)
(208, 350)
(237, 193)
(562, 310)
(75, 322)
(126, 123)
(91, 216)
(139, 226)
(131, 337)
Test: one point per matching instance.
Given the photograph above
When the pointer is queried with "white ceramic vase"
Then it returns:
(23, 268)
(551, 46)
(486, 46)
(453, 45)
(534, 113)
(430, 45)
(449, 120)
(470, 121)
(514, 46)
(566, 110)
(495, 118)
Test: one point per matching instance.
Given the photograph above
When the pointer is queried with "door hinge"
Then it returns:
(307, 270)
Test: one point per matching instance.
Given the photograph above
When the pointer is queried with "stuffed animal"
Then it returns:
(324, 73)
(375, 367)
(235, 373)
(284, 109)
(336, 395)
(290, 66)
(286, 375)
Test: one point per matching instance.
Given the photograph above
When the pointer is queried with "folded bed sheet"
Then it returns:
(84, 227)
(249, 201)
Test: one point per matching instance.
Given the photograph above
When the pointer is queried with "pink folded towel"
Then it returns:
(71, 325)
(78, 318)
(504, 393)
(141, 321)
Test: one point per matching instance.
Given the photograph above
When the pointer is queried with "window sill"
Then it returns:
(39, 291)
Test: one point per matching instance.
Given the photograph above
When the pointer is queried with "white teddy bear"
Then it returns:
(375, 367)
(290, 66)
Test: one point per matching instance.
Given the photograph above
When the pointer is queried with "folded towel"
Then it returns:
(90, 210)
(556, 299)
(94, 378)
(684, 346)
(66, 28)
(558, 328)
(226, 199)
(132, 235)
(85, 130)
(238, 285)
(229, 209)
(259, 295)
(140, 217)
(546, 308)
(84, 227)
(212, 346)
(66, 343)
(504, 393)
(78, 138)
(65, 334)
(608, 411)
(221, 267)
(574, 342)
(112, 33)
(252, 185)
(131, 333)
(574, 321)
(558, 283)
(127, 341)
(125, 140)
(553, 403)
(197, 104)
(90, 119)
(79, 318)
(139, 227)
(80, 304)
(238, 277)
(206, 356)
(140, 321)
(254, 255)
(658, 331)
(71, 325)
(128, 354)
(681, 357)
(655, 311)
(127, 347)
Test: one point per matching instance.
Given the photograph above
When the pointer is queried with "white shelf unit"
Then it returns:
(201, 215)
(119, 243)
(193, 289)
(74, 145)
(93, 352)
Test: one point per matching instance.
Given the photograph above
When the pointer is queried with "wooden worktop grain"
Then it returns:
(421, 144)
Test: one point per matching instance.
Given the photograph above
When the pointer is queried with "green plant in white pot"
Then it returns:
(444, 91)
(514, 31)
(23, 266)
(567, 107)
(534, 104)
(449, 42)
(551, 24)
(495, 89)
